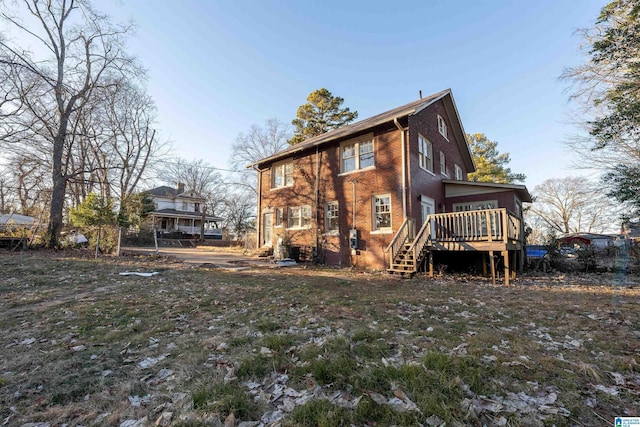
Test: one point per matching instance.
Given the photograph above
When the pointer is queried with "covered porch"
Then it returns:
(169, 221)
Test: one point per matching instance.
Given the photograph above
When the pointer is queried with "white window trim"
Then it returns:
(301, 226)
(421, 154)
(486, 202)
(383, 230)
(442, 127)
(326, 218)
(457, 172)
(443, 164)
(356, 141)
(282, 165)
(275, 218)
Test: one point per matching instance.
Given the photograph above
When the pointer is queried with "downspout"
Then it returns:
(317, 200)
(353, 183)
(404, 169)
(259, 208)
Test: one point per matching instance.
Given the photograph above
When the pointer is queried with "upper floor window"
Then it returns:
(381, 212)
(282, 175)
(442, 127)
(356, 155)
(299, 217)
(458, 172)
(196, 207)
(425, 153)
(443, 164)
(185, 206)
(331, 222)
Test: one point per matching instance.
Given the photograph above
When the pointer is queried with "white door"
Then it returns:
(267, 229)
(427, 207)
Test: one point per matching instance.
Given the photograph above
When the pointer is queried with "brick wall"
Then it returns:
(384, 178)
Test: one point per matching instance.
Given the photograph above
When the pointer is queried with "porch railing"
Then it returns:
(196, 230)
(488, 225)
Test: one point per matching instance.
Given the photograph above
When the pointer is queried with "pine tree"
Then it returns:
(491, 165)
(320, 114)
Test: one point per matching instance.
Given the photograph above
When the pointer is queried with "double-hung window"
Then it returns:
(442, 127)
(299, 217)
(443, 164)
(279, 214)
(356, 155)
(425, 153)
(282, 175)
(382, 212)
(331, 223)
(458, 172)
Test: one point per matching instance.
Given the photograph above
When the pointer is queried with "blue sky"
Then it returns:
(217, 67)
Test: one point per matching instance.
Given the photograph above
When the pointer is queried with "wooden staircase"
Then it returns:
(408, 249)
(485, 230)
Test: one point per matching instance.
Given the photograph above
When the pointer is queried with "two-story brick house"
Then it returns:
(388, 192)
(181, 212)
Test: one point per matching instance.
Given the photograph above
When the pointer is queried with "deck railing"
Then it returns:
(486, 225)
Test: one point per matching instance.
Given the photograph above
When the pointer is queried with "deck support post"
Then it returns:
(484, 264)
(493, 268)
(430, 265)
(521, 261)
(507, 273)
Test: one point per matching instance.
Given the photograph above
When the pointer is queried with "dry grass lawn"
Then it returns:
(83, 345)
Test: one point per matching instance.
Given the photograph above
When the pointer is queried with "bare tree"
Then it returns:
(199, 176)
(572, 204)
(259, 142)
(239, 211)
(84, 53)
(131, 144)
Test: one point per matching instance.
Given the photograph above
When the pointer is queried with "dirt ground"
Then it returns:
(197, 342)
(223, 257)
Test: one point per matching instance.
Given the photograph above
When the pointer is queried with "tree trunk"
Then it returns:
(55, 211)
(59, 190)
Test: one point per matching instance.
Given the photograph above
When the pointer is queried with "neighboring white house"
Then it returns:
(177, 210)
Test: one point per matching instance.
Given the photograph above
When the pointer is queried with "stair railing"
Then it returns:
(405, 233)
(422, 238)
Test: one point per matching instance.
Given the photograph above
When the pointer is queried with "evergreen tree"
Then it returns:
(491, 165)
(320, 114)
(608, 86)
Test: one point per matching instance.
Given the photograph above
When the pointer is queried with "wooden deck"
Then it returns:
(490, 230)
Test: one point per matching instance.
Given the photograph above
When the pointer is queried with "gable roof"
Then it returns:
(371, 122)
(173, 193)
(163, 191)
